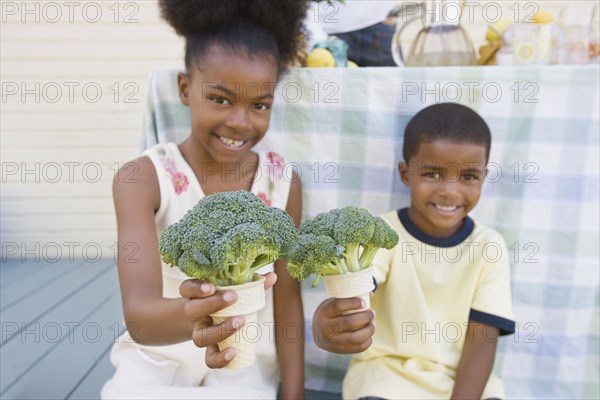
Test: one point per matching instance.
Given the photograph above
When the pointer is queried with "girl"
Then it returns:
(235, 53)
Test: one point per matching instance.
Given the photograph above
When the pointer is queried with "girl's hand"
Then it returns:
(203, 300)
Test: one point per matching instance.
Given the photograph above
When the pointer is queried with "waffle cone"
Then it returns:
(356, 284)
(251, 298)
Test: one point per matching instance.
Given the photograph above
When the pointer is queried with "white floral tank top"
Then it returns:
(180, 190)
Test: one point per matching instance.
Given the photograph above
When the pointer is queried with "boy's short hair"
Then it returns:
(445, 121)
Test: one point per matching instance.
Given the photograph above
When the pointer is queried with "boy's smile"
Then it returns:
(445, 180)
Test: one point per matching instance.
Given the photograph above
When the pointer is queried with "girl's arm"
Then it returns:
(289, 316)
(150, 318)
(476, 361)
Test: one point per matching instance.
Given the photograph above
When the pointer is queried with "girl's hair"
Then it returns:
(448, 122)
(271, 27)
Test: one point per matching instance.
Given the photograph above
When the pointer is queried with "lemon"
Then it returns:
(542, 17)
(500, 26)
(352, 64)
(319, 58)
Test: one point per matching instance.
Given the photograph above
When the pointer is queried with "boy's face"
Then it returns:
(445, 180)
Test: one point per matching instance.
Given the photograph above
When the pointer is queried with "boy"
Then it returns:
(443, 294)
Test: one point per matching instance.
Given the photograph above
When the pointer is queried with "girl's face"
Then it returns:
(230, 97)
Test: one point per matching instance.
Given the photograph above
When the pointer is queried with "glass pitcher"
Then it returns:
(442, 41)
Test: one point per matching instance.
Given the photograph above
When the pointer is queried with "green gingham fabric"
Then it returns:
(342, 129)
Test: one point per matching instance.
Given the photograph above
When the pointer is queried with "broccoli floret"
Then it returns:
(242, 250)
(340, 241)
(353, 227)
(313, 254)
(279, 223)
(195, 265)
(383, 237)
(226, 237)
(322, 224)
(170, 246)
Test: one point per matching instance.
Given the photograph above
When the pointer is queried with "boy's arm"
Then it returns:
(476, 361)
(289, 315)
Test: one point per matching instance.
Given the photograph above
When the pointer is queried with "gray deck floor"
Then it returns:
(59, 321)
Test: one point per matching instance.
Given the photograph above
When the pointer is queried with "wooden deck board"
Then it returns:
(63, 323)
(29, 309)
(83, 301)
(12, 271)
(73, 359)
(9, 264)
(43, 277)
(71, 321)
(91, 383)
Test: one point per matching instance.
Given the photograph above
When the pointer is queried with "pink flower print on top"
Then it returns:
(264, 198)
(179, 179)
(276, 165)
(180, 182)
(169, 164)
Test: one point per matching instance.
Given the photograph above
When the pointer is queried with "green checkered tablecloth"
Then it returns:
(342, 130)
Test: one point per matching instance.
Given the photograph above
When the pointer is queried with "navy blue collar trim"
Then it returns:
(449, 241)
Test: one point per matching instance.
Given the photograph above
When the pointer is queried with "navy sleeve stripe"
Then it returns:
(506, 326)
(374, 283)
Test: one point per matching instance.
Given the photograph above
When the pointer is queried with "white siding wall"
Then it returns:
(60, 151)
(61, 140)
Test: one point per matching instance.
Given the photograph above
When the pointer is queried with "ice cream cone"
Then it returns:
(251, 298)
(356, 284)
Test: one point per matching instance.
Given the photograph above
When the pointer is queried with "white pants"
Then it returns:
(179, 371)
(148, 375)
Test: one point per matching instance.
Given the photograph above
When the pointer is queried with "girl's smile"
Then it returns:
(232, 144)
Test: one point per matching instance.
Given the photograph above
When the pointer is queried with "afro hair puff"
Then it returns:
(283, 19)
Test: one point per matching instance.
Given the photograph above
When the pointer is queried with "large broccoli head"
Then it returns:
(226, 237)
(339, 241)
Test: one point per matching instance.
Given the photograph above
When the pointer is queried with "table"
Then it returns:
(342, 130)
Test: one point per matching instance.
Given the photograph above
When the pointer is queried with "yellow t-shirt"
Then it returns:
(428, 290)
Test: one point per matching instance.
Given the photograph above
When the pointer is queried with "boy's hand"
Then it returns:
(344, 334)
(203, 300)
